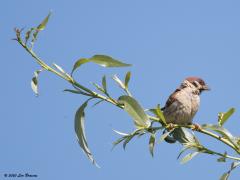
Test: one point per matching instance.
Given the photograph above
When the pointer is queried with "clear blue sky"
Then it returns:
(164, 40)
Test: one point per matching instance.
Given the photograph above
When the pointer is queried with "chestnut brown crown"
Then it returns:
(198, 83)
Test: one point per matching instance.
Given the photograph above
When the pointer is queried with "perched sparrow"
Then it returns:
(184, 102)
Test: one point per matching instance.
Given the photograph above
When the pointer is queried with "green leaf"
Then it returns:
(102, 60)
(60, 69)
(158, 112)
(43, 24)
(34, 82)
(40, 27)
(98, 87)
(98, 102)
(127, 79)
(76, 92)
(120, 133)
(152, 140)
(223, 117)
(127, 140)
(132, 107)
(104, 84)
(224, 132)
(118, 81)
(225, 176)
(222, 159)
(127, 137)
(189, 157)
(80, 132)
(28, 34)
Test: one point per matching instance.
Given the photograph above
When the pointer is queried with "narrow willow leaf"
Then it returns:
(120, 133)
(80, 132)
(104, 83)
(98, 102)
(127, 79)
(118, 81)
(43, 24)
(225, 176)
(78, 63)
(127, 140)
(102, 60)
(118, 142)
(107, 61)
(40, 27)
(224, 132)
(223, 117)
(34, 82)
(61, 70)
(234, 165)
(98, 87)
(152, 140)
(76, 92)
(132, 107)
(182, 151)
(158, 112)
(188, 157)
(28, 34)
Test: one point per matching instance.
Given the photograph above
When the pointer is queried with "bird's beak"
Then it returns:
(206, 88)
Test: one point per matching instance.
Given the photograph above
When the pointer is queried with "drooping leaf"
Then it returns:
(102, 60)
(189, 157)
(34, 82)
(152, 140)
(43, 24)
(223, 117)
(132, 107)
(127, 79)
(80, 132)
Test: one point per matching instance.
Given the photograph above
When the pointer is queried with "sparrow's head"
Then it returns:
(198, 83)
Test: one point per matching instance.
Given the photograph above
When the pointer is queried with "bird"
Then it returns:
(183, 103)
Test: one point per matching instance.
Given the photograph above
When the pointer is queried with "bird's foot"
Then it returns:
(196, 127)
(170, 126)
